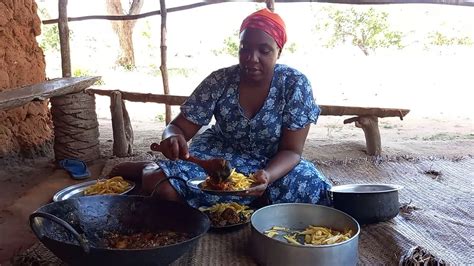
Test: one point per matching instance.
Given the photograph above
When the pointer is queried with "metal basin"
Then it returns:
(367, 203)
(297, 216)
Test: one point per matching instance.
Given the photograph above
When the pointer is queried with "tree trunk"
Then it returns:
(124, 30)
(127, 57)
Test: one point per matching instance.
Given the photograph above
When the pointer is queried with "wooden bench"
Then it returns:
(75, 122)
(363, 117)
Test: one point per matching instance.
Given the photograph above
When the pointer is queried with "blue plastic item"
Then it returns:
(76, 168)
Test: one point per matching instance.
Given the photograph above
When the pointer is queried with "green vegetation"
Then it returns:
(79, 72)
(439, 39)
(151, 45)
(440, 136)
(127, 67)
(50, 38)
(367, 30)
(231, 46)
(290, 47)
(185, 72)
(160, 117)
(155, 71)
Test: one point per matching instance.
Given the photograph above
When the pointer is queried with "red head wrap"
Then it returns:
(269, 22)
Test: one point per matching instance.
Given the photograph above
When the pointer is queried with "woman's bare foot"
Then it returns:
(155, 183)
(147, 174)
(130, 170)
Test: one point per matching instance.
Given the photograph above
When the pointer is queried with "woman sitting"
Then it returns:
(263, 112)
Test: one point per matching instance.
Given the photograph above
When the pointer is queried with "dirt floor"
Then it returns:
(28, 184)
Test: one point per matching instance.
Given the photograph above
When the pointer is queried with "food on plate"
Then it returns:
(312, 235)
(114, 185)
(225, 214)
(235, 182)
(144, 239)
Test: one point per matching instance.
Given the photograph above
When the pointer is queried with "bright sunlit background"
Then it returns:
(430, 74)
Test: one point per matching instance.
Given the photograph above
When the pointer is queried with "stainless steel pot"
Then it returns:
(367, 203)
(297, 216)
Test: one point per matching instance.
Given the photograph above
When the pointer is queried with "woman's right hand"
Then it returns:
(175, 147)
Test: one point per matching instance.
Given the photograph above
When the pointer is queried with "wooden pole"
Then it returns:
(325, 109)
(64, 39)
(370, 126)
(121, 126)
(163, 68)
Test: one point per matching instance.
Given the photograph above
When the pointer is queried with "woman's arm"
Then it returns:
(288, 156)
(289, 153)
(175, 137)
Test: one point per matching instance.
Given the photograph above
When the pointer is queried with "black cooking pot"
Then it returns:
(74, 229)
(367, 203)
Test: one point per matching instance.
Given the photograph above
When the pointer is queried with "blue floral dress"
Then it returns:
(248, 144)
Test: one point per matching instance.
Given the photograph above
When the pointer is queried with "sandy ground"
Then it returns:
(331, 139)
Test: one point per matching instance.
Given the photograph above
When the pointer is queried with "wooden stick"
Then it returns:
(128, 129)
(64, 39)
(143, 97)
(122, 146)
(163, 68)
(129, 17)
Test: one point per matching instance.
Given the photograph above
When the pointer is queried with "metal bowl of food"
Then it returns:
(227, 215)
(293, 221)
(367, 203)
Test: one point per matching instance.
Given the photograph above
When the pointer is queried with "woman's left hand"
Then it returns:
(262, 181)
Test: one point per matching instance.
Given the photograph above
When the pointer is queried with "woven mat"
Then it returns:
(438, 216)
(215, 248)
(437, 197)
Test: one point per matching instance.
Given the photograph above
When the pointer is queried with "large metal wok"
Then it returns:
(74, 229)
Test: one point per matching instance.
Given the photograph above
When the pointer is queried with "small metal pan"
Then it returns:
(197, 183)
(77, 190)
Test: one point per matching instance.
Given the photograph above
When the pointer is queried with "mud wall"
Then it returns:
(25, 130)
